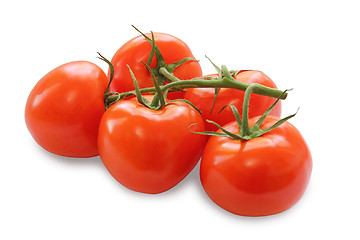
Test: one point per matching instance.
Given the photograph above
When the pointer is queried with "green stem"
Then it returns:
(199, 83)
(245, 129)
(222, 83)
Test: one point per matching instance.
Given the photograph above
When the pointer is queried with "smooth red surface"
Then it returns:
(150, 151)
(259, 177)
(203, 98)
(138, 49)
(64, 109)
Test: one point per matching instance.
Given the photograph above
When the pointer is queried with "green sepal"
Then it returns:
(223, 73)
(172, 66)
(229, 134)
(211, 133)
(237, 116)
(160, 62)
(185, 101)
(107, 90)
(234, 73)
(258, 123)
(260, 132)
(158, 100)
(139, 97)
(225, 132)
(155, 49)
(245, 132)
(218, 70)
(215, 96)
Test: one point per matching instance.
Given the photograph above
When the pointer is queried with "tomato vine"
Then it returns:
(164, 72)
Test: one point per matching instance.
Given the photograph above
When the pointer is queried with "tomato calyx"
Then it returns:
(160, 62)
(222, 73)
(159, 100)
(245, 132)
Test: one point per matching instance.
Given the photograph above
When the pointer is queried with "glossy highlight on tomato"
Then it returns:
(262, 176)
(203, 98)
(64, 109)
(150, 151)
(138, 49)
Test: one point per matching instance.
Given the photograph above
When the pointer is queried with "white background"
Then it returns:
(311, 46)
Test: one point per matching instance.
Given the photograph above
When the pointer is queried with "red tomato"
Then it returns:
(138, 49)
(150, 151)
(203, 98)
(262, 176)
(64, 109)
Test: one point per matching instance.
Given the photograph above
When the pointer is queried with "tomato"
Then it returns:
(138, 49)
(150, 151)
(64, 109)
(262, 176)
(203, 98)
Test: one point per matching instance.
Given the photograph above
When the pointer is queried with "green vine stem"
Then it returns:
(201, 82)
(225, 82)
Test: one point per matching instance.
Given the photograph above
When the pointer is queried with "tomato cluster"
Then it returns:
(150, 135)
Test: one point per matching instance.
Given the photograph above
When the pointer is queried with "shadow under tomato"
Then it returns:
(92, 161)
(191, 178)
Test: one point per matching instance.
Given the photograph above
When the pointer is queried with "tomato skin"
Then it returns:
(150, 151)
(259, 177)
(203, 98)
(138, 49)
(64, 109)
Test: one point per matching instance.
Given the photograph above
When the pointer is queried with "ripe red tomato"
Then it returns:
(262, 176)
(138, 49)
(64, 109)
(203, 98)
(150, 151)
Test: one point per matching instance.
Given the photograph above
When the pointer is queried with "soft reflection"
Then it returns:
(111, 123)
(38, 99)
(250, 162)
(86, 69)
(139, 132)
(275, 141)
(71, 96)
(229, 148)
